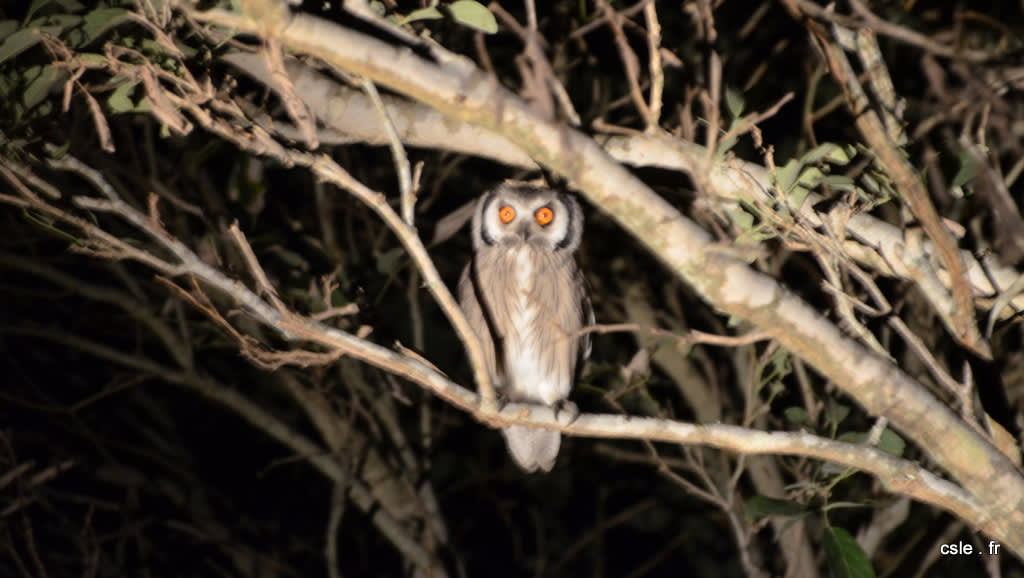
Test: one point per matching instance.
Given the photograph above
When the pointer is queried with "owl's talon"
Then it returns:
(566, 412)
(500, 400)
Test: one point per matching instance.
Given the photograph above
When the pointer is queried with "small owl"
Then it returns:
(524, 295)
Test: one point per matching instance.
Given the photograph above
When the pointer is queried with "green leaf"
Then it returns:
(743, 220)
(121, 99)
(840, 183)
(842, 155)
(968, 169)
(71, 6)
(797, 415)
(734, 102)
(811, 177)
(853, 437)
(40, 87)
(760, 233)
(422, 14)
(835, 412)
(99, 21)
(48, 226)
(474, 15)
(19, 42)
(844, 505)
(785, 177)
(798, 196)
(871, 184)
(339, 299)
(832, 469)
(727, 144)
(759, 507)
(63, 21)
(781, 363)
(35, 7)
(92, 59)
(7, 27)
(294, 260)
(891, 443)
(61, 150)
(819, 152)
(844, 555)
(390, 261)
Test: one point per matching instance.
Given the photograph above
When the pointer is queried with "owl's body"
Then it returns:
(524, 296)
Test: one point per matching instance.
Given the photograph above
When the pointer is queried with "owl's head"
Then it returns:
(514, 214)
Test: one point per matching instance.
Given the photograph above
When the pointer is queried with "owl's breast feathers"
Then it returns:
(534, 298)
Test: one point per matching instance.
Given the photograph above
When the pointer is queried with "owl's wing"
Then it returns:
(477, 318)
(588, 316)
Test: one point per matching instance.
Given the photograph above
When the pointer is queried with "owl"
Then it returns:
(526, 300)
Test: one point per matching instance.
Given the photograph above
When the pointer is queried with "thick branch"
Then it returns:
(349, 116)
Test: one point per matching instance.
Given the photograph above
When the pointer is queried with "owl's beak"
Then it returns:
(524, 231)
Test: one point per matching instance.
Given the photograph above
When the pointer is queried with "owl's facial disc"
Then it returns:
(511, 216)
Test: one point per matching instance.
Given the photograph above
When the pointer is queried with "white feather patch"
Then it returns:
(524, 365)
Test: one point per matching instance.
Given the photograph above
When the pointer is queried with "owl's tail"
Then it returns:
(533, 448)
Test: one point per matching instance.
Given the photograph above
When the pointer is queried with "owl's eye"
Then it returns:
(506, 214)
(544, 215)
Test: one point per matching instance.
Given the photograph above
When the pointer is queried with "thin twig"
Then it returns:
(600, 21)
(629, 61)
(327, 169)
(333, 524)
(534, 51)
(254, 266)
(401, 159)
(656, 72)
(961, 319)
(710, 100)
(870, 20)
(692, 337)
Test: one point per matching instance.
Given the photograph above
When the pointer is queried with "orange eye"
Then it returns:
(544, 215)
(506, 214)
